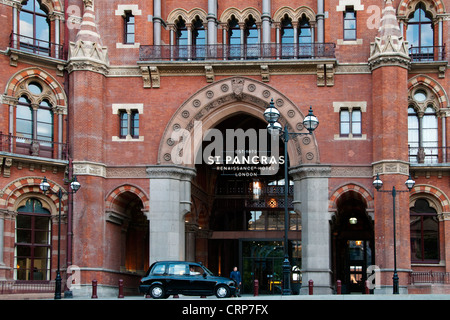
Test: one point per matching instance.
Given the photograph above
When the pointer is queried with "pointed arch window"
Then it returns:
(199, 38)
(304, 38)
(182, 39)
(234, 38)
(287, 38)
(33, 242)
(423, 137)
(424, 231)
(251, 39)
(34, 28)
(420, 33)
(34, 123)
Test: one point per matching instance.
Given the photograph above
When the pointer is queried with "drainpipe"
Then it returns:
(320, 21)
(212, 18)
(157, 22)
(266, 21)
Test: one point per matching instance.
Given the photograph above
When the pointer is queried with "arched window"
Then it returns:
(234, 38)
(304, 32)
(34, 123)
(199, 38)
(287, 38)
(420, 33)
(251, 39)
(34, 28)
(424, 231)
(182, 39)
(304, 38)
(32, 250)
(423, 137)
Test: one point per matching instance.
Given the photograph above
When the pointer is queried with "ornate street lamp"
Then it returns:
(377, 183)
(45, 187)
(271, 114)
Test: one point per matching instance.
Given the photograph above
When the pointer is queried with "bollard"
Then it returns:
(311, 287)
(256, 287)
(94, 289)
(338, 287)
(120, 289)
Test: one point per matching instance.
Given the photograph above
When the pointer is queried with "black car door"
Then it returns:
(178, 278)
(199, 281)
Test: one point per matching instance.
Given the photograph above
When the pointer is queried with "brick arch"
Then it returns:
(240, 15)
(52, 5)
(433, 191)
(294, 14)
(112, 200)
(342, 190)
(30, 185)
(407, 6)
(187, 16)
(13, 87)
(225, 98)
(431, 84)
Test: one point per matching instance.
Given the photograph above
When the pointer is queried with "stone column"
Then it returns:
(212, 22)
(265, 17)
(170, 201)
(311, 199)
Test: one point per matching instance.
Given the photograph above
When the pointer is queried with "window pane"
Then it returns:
(24, 123)
(412, 34)
(350, 34)
(26, 26)
(42, 30)
(416, 238)
(431, 237)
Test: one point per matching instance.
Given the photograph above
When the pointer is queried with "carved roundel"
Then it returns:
(196, 103)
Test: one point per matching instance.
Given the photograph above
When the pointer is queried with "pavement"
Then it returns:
(344, 297)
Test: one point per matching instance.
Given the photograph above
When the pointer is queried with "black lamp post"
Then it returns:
(45, 187)
(377, 183)
(271, 114)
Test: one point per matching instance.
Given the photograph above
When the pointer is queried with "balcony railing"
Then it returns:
(429, 155)
(32, 147)
(431, 53)
(37, 46)
(429, 277)
(236, 52)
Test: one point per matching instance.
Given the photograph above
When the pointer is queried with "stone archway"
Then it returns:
(217, 101)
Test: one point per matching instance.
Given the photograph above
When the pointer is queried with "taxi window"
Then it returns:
(177, 269)
(159, 269)
(195, 270)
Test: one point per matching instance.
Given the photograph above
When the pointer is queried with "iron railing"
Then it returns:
(26, 286)
(429, 277)
(37, 46)
(429, 155)
(33, 147)
(427, 53)
(236, 52)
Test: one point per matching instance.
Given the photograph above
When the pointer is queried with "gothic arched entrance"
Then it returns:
(352, 234)
(183, 189)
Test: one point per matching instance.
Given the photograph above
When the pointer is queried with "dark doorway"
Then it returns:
(247, 215)
(352, 242)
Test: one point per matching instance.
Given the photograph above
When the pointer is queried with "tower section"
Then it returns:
(389, 62)
(87, 66)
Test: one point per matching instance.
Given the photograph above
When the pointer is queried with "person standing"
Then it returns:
(236, 276)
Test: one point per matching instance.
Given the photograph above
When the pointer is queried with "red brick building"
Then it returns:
(131, 97)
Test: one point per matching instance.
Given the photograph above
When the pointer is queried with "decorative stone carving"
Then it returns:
(237, 85)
